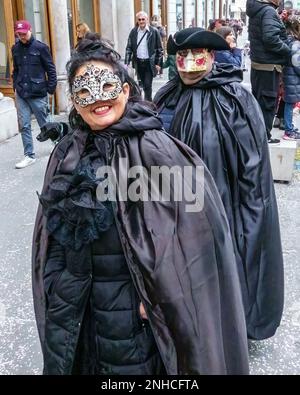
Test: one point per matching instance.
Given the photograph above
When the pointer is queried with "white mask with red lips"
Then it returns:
(192, 60)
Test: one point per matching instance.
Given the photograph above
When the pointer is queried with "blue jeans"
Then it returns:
(288, 117)
(26, 107)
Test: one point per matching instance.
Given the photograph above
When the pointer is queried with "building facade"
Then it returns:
(54, 22)
(238, 9)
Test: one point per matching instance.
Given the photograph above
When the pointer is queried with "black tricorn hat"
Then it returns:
(195, 37)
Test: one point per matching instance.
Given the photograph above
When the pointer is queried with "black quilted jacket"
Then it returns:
(267, 34)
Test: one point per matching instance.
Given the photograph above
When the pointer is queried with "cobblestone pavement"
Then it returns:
(19, 345)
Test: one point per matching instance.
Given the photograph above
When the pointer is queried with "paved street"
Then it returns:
(19, 345)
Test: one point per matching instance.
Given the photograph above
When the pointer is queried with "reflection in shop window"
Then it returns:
(35, 14)
(86, 13)
(4, 64)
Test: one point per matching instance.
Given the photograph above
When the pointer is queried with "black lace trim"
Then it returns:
(74, 215)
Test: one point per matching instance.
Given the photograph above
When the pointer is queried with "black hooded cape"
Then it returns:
(222, 122)
(182, 264)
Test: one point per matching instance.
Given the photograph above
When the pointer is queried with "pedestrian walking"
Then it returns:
(156, 22)
(34, 76)
(126, 286)
(208, 109)
(144, 50)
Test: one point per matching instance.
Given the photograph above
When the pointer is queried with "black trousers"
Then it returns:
(280, 110)
(265, 88)
(145, 76)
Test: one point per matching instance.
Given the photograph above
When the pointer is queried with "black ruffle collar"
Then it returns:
(75, 216)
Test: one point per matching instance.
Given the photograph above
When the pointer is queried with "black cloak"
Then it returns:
(222, 122)
(182, 264)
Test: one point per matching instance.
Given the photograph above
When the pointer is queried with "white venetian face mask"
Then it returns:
(192, 60)
(95, 84)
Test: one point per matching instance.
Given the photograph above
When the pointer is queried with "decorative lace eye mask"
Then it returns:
(94, 85)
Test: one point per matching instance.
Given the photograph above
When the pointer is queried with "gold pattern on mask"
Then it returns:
(192, 60)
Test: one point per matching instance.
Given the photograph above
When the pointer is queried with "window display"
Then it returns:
(35, 13)
(4, 62)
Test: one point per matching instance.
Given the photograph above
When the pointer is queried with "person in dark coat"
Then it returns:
(156, 23)
(291, 78)
(144, 49)
(233, 55)
(123, 281)
(34, 77)
(208, 109)
(269, 52)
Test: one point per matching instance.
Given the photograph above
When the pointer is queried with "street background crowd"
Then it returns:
(278, 355)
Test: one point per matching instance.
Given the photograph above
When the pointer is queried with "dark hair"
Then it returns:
(93, 47)
(222, 21)
(224, 31)
(212, 25)
(293, 26)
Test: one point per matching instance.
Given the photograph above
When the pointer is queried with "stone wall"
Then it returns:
(8, 118)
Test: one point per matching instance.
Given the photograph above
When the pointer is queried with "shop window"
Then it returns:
(190, 13)
(86, 13)
(146, 6)
(153, 7)
(179, 15)
(210, 11)
(157, 8)
(35, 13)
(201, 14)
(71, 24)
(4, 57)
(82, 11)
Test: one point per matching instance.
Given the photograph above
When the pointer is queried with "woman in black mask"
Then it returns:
(125, 280)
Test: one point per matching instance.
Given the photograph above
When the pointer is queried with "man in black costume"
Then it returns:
(207, 108)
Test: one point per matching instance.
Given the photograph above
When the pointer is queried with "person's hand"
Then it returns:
(143, 313)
